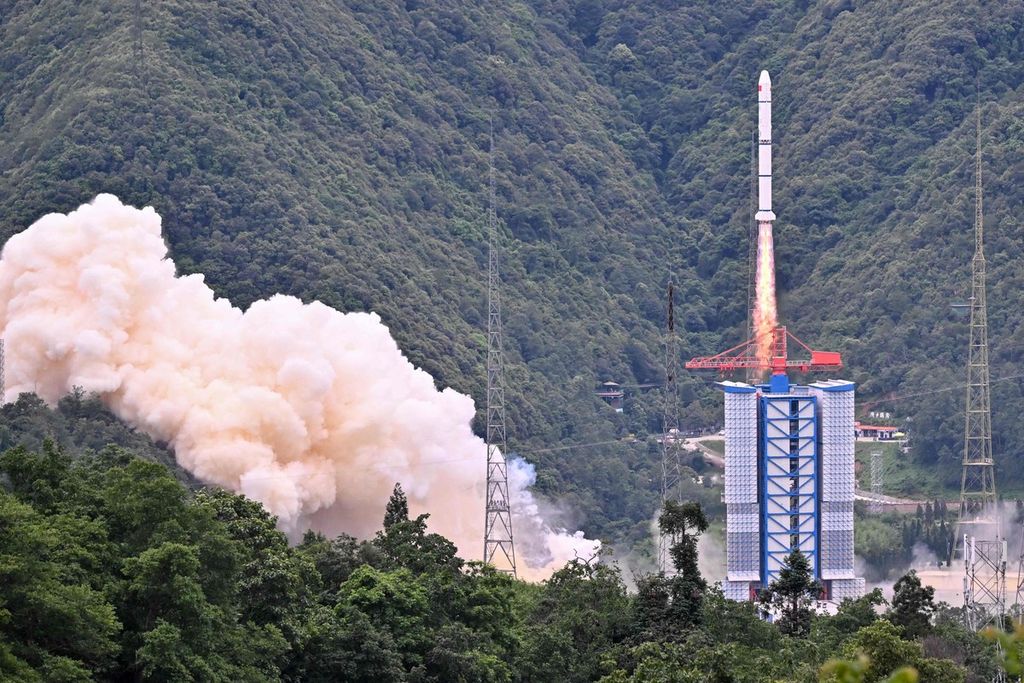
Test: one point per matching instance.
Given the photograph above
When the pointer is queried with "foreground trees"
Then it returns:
(112, 570)
(791, 597)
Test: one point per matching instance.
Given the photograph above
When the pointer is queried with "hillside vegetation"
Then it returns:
(113, 570)
(339, 151)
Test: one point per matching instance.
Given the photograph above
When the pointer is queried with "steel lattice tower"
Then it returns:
(984, 583)
(1018, 602)
(499, 549)
(877, 476)
(978, 516)
(671, 469)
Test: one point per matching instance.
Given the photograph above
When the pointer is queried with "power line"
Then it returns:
(947, 388)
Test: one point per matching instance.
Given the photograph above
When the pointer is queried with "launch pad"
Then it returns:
(789, 449)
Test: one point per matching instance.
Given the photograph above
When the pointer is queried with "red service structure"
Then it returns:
(744, 357)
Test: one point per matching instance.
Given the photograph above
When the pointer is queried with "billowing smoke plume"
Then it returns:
(314, 413)
(766, 317)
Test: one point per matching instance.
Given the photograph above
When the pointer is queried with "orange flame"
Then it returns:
(766, 317)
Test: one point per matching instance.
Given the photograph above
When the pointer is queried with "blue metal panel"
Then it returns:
(789, 481)
(779, 384)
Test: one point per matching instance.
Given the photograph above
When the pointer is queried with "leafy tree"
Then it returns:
(272, 581)
(886, 652)
(397, 508)
(650, 608)
(406, 544)
(395, 603)
(336, 559)
(345, 645)
(856, 671)
(912, 605)
(852, 616)
(792, 594)
(666, 606)
(581, 613)
(49, 620)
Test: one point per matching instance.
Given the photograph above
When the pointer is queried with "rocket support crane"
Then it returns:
(744, 356)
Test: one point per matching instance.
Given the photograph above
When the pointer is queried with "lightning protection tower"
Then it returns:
(671, 438)
(875, 505)
(978, 515)
(499, 549)
(1018, 602)
(984, 583)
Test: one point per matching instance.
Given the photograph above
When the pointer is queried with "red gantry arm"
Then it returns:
(744, 356)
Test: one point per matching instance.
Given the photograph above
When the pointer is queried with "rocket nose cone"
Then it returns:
(765, 80)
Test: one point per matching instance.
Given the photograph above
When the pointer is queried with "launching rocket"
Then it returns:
(764, 149)
(765, 318)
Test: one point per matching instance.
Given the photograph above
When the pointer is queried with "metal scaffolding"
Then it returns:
(984, 583)
(875, 505)
(789, 484)
(1018, 601)
(499, 549)
(978, 516)
(671, 438)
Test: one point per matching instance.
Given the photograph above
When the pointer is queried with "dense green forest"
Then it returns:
(338, 151)
(112, 569)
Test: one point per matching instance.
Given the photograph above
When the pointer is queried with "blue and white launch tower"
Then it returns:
(789, 484)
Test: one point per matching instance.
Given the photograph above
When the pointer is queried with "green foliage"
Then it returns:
(912, 605)
(48, 618)
(286, 155)
(684, 524)
(1011, 648)
(126, 575)
(852, 616)
(397, 508)
(581, 613)
(887, 652)
(856, 671)
(347, 165)
(792, 594)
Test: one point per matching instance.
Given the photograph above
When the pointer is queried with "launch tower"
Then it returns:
(789, 449)
(789, 484)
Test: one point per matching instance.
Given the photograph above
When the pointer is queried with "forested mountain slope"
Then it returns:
(339, 151)
(874, 178)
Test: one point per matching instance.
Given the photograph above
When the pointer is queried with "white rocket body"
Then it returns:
(764, 150)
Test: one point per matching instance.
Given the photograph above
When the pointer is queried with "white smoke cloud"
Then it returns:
(312, 412)
(542, 551)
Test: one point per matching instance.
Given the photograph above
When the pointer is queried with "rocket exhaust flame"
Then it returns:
(766, 317)
(312, 412)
